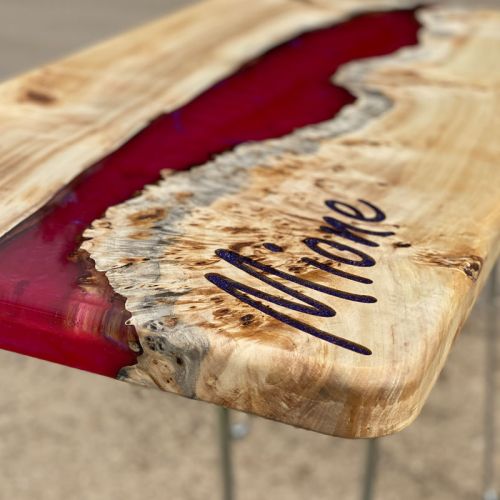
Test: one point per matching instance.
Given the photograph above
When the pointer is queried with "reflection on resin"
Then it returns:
(53, 305)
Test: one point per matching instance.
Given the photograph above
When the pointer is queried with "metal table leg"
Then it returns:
(225, 443)
(370, 472)
(489, 487)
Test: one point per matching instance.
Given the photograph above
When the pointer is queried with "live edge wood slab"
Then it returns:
(318, 278)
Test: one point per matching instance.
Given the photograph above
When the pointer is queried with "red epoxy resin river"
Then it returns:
(53, 306)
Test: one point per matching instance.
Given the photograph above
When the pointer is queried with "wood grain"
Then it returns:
(421, 144)
(59, 119)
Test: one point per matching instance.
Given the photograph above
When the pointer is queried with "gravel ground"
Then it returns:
(72, 435)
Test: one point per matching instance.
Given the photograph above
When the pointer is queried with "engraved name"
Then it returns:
(333, 250)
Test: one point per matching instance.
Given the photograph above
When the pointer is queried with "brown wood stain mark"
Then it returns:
(147, 217)
(38, 97)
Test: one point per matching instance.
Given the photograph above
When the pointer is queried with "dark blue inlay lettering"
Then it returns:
(272, 247)
(345, 231)
(246, 264)
(304, 304)
(235, 289)
(364, 259)
(355, 212)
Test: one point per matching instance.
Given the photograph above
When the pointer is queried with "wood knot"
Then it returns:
(470, 265)
(247, 319)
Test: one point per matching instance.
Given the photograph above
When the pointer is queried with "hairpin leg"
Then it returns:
(370, 471)
(489, 489)
(226, 461)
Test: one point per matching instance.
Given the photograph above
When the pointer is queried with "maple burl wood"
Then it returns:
(323, 283)
(318, 279)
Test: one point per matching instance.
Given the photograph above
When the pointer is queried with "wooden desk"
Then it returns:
(317, 278)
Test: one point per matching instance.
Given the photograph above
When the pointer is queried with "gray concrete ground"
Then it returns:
(70, 435)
